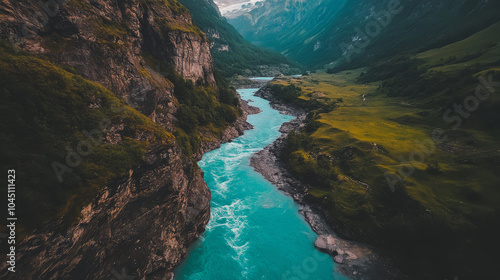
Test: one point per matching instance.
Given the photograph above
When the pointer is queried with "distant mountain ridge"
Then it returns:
(285, 26)
(318, 33)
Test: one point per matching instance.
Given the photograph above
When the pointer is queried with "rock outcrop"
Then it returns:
(142, 224)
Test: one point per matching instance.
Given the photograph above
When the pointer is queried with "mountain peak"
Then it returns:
(235, 8)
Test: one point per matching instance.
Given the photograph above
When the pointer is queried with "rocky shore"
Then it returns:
(354, 260)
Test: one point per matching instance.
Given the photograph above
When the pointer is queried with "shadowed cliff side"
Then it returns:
(137, 200)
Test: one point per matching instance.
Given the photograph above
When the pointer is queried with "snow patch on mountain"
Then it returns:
(235, 8)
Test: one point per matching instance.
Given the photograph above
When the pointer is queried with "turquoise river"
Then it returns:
(255, 231)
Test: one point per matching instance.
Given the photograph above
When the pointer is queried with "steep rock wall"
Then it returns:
(140, 225)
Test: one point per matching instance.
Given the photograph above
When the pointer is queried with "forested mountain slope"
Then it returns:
(337, 33)
(233, 54)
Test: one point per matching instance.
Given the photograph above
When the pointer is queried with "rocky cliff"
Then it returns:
(140, 225)
(108, 41)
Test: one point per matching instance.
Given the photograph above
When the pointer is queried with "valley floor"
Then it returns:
(391, 172)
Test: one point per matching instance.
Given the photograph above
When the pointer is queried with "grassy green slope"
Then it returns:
(480, 48)
(445, 207)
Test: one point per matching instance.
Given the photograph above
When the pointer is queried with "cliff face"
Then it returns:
(140, 225)
(106, 41)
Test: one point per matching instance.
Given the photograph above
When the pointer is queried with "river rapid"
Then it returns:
(255, 231)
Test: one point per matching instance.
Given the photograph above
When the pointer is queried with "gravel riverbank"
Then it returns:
(354, 260)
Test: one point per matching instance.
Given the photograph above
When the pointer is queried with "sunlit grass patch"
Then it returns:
(369, 134)
(336, 87)
(373, 125)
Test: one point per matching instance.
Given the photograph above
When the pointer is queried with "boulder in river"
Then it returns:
(339, 259)
(326, 243)
(320, 243)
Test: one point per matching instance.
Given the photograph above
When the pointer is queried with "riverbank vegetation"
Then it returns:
(204, 111)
